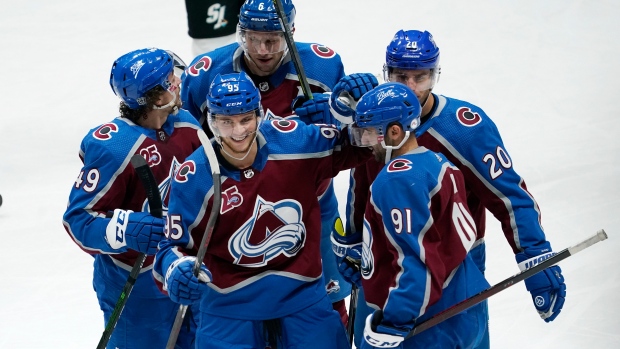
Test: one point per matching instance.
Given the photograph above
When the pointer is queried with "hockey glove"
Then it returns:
(547, 287)
(182, 285)
(314, 111)
(138, 231)
(346, 94)
(348, 251)
(380, 335)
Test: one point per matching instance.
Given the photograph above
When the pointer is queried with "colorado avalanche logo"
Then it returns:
(468, 118)
(284, 125)
(184, 170)
(274, 229)
(368, 260)
(202, 65)
(333, 286)
(322, 51)
(104, 132)
(399, 165)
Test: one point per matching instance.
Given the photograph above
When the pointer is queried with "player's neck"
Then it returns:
(428, 105)
(155, 119)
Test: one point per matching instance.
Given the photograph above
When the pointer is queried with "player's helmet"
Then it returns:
(136, 72)
(232, 94)
(412, 50)
(261, 15)
(387, 104)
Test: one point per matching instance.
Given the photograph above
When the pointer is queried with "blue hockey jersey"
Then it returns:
(322, 66)
(416, 238)
(470, 140)
(264, 252)
(107, 181)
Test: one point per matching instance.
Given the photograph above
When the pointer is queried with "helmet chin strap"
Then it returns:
(389, 148)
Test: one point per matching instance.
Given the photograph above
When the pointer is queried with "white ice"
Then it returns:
(545, 71)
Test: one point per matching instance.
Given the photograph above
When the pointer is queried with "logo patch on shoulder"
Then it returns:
(399, 165)
(187, 168)
(104, 132)
(322, 51)
(468, 118)
(284, 125)
(202, 65)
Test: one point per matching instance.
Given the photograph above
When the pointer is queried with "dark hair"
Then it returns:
(151, 97)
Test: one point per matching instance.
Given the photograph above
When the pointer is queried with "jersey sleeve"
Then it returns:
(99, 188)
(490, 173)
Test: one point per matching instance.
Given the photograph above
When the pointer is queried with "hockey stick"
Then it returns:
(155, 206)
(206, 237)
(470, 302)
(288, 36)
(352, 311)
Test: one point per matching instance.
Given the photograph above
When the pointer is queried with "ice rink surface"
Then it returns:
(545, 71)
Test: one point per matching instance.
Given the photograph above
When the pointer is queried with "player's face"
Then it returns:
(171, 98)
(265, 50)
(419, 81)
(237, 132)
(368, 137)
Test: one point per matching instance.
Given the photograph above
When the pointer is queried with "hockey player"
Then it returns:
(151, 124)
(261, 51)
(417, 231)
(211, 24)
(470, 140)
(261, 281)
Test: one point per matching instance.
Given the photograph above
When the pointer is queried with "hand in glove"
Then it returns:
(138, 231)
(314, 111)
(381, 335)
(348, 251)
(347, 92)
(547, 287)
(182, 285)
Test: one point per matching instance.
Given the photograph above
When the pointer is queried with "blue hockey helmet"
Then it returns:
(412, 50)
(385, 105)
(135, 73)
(261, 15)
(232, 94)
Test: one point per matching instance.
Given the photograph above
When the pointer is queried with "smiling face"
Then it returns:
(236, 132)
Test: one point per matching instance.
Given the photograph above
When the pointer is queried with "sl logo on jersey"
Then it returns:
(203, 64)
(399, 165)
(275, 228)
(322, 51)
(151, 155)
(468, 118)
(104, 132)
(231, 198)
(216, 15)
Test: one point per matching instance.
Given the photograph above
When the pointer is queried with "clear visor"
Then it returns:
(417, 80)
(235, 126)
(364, 136)
(261, 42)
(171, 87)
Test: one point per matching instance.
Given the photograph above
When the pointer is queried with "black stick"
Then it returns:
(206, 237)
(288, 36)
(470, 302)
(155, 205)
